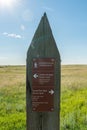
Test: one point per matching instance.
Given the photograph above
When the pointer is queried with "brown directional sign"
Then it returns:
(43, 78)
(42, 99)
(43, 84)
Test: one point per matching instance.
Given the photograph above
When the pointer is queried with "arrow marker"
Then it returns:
(35, 76)
(51, 92)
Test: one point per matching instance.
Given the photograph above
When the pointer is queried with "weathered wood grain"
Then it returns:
(43, 45)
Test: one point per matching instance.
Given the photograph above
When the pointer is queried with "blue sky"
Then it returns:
(20, 18)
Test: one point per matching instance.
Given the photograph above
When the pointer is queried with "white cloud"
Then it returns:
(13, 35)
(22, 27)
(5, 33)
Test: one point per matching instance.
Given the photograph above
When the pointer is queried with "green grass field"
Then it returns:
(73, 97)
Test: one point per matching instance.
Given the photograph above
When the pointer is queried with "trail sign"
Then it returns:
(43, 84)
(43, 80)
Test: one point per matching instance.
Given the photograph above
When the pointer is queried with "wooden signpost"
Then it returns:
(43, 80)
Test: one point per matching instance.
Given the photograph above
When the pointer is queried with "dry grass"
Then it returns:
(12, 75)
(74, 76)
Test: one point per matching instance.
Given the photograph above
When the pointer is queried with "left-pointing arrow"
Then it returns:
(35, 76)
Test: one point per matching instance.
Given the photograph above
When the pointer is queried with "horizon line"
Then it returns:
(25, 64)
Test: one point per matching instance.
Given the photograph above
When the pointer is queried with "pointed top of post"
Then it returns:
(45, 14)
(43, 29)
(43, 37)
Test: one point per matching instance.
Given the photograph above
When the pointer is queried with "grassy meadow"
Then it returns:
(73, 97)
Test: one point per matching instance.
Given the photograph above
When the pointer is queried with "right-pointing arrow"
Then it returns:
(51, 92)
